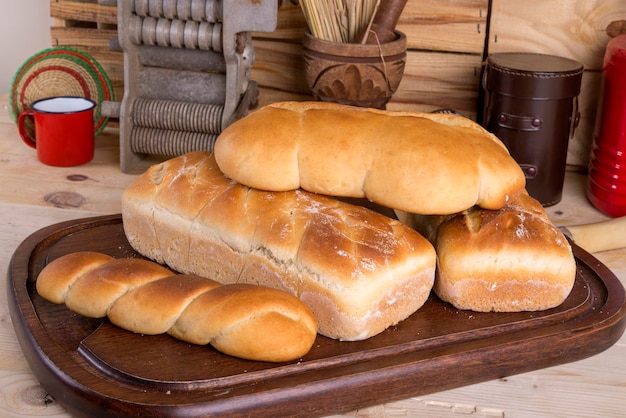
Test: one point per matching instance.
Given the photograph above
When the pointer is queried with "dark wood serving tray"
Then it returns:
(93, 368)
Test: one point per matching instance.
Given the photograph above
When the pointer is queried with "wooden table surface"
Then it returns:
(33, 196)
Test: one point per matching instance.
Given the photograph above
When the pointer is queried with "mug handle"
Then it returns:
(22, 128)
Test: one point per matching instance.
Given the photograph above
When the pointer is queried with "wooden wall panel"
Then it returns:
(574, 29)
(445, 41)
(435, 80)
(433, 25)
(445, 25)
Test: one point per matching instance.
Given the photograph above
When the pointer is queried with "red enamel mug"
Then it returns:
(64, 130)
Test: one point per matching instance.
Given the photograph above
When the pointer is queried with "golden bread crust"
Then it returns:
(247, 321)
(357, 270)
(508, 260)
(415, 162)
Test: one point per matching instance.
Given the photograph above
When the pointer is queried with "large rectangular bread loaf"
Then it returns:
(358, 271)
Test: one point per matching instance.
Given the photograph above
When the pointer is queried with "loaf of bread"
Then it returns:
(358, 271)
(414, 162)
(507, 260)
(247, 321)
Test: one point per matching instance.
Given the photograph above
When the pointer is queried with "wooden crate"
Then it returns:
(90, 27)
(448, 42)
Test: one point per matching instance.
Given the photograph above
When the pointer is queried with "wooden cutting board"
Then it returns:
(94, 368)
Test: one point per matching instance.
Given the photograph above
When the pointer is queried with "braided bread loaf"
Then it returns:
(242, 320)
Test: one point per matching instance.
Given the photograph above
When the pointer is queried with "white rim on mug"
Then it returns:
(63, 104)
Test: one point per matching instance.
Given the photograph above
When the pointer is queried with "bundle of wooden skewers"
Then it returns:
(342, 21)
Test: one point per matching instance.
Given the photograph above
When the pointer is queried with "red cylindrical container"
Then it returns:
(606, 186)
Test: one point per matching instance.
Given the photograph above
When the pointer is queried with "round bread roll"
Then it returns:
(506, 260)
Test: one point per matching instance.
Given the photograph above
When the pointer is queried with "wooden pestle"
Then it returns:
(384, 21)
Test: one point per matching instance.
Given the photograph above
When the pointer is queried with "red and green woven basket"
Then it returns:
(60, 71)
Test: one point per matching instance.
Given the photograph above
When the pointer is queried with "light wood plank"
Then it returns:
(446, 26)
(279, 65)
(435, 80)
(571, 28)
(84, 12)
(451, 25)
(98, 190)
(22, 396)
(90, 37)
(290, 26)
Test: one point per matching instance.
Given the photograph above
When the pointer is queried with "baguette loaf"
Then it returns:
(251, 322)
(414, 162)
(506, 260)
(357, 270)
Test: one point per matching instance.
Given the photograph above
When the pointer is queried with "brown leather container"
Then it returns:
(531, 104)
